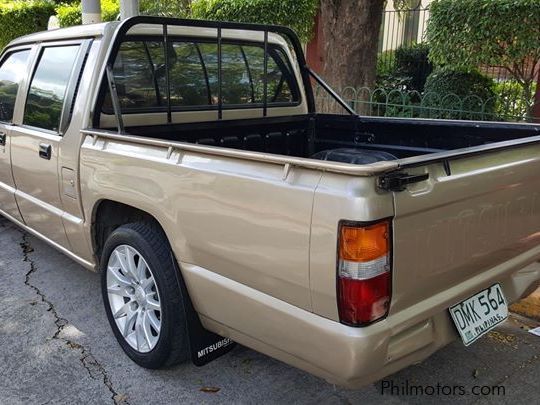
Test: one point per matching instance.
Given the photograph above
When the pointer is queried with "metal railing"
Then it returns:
(414, 104)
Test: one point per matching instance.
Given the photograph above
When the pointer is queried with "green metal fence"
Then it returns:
(414, 104)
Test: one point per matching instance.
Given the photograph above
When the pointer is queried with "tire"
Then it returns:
(151, 338)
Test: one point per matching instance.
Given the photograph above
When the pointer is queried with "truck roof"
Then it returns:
(104, 29)
(79, 31)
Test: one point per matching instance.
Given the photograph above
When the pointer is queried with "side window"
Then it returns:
(47, 91)
(12, 72)
(139, 73)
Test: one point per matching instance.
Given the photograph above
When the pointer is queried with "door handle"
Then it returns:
(3, 137)
(45, 151)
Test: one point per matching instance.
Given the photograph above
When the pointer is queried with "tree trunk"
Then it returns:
(351, 36)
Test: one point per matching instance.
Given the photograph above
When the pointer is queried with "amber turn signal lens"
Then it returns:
(364, 244)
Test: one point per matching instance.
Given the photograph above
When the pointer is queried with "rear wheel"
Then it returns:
(142, 296)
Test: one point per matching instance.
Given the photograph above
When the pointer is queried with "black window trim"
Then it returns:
(272, 47)
(71, 88)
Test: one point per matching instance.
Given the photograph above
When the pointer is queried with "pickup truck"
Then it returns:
(186, 163)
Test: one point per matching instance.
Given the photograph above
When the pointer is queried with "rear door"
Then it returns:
(13, 70)
(479, 212)
(35, 143)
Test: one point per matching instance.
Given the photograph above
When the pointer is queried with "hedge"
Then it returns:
(501, 33)
(297, 14)
(413, 62)
(21, 18)
(166, 8)
(70, 14)
(460, 94)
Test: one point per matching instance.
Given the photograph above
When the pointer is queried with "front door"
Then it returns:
(13, 68)
(36, 143)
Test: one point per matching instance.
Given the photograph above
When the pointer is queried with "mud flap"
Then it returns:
(204, 345)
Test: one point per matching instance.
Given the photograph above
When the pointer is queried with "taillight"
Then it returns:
(364, 277)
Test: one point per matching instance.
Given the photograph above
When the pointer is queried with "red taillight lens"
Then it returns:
(364, 277)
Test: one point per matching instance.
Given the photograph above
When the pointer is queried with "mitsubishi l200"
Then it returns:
(186, 162)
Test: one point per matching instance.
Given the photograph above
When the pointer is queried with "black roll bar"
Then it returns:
(220, 73)
(265, 75)
(167, 73)
(330, 91)
(306, 73)
(114, 98)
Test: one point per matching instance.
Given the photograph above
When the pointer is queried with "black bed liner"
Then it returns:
(306, 135)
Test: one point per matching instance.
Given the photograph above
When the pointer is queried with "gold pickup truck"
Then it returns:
(184, 161)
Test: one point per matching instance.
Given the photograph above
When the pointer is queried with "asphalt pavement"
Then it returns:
(56, 347)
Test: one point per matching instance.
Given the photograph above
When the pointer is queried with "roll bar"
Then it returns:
(166, 22)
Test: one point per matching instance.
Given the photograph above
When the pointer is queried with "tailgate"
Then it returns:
(475, 213)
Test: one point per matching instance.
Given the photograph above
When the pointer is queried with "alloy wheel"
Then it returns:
(134, 298)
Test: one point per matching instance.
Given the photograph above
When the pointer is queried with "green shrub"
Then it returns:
(386, 64)
(21, 18)
(166, 8)
(413, 62)
(510, 105)
(401, 75)
(459, 94)
(406, 68)
(70, 14)
(502, 33)
(297, 14)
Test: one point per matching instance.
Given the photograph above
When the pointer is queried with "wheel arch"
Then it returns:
(107, 215)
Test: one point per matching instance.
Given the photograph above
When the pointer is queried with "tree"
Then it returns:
(166, 8)
(297, 14)
(498, 33)
(350, 33)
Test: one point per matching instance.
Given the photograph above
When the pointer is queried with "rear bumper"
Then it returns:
(347, 356)
(409, 340)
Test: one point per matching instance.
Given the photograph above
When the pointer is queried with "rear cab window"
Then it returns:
(140, 76)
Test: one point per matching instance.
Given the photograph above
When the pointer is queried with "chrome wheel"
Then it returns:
(134, 298)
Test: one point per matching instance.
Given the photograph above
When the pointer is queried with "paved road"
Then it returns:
(56, 347)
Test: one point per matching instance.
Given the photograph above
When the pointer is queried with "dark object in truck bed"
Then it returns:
(354, 156)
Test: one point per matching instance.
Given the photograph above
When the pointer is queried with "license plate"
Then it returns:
(479, 314)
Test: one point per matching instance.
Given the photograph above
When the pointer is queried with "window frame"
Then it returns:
(295, 89)
(22, 86)
(72, 87)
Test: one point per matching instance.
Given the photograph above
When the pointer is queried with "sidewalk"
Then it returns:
(529, 307)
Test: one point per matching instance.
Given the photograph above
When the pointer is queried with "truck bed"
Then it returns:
(306, 135)
(251, 232)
